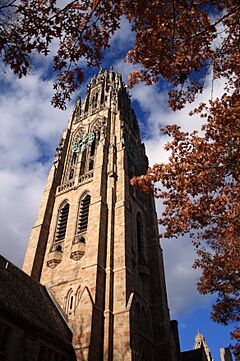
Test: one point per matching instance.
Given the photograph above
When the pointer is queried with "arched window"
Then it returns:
(71, 174)
(74, 158)
(87, 150)
(83, 214)
(62, 223)
(140, 239)
(70, 302)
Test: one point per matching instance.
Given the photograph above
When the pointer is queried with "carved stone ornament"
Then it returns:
(78, 250)
(54, 258)
(77, 110)
(76, 256)
(81, 143)
(59, 150)
(53, 263)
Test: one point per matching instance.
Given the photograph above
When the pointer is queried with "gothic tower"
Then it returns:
(95, 242)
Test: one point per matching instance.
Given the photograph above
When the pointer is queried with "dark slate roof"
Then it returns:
(193, 355)
(27, 300)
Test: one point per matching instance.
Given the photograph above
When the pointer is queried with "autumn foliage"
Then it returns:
(200, 187)
(200, 184)
(180, 42)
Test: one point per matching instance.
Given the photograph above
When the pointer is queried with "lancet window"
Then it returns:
(72, 166)
(83, 162)
(83, 215)
(92, 154)
(95, 100)
(71, 173)
(62, 223)
(70, 302)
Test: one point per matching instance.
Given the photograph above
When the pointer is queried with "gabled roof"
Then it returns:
(28, 301)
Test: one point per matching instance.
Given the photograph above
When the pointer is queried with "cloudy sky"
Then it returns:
(30, 131)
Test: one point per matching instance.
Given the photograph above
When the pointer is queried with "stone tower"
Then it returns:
(200, 342)
(95, 242)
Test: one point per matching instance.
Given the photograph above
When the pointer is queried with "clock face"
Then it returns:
(82, 142)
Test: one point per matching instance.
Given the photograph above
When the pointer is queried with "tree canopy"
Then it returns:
(180, 42)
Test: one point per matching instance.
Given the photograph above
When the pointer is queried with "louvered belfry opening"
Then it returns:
(62, 223)
(83, 214)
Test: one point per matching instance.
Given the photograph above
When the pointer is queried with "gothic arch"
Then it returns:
(70, 302)
(95, 125)
(82, 196)
(78, 132)
(85, 292)
(66, 200)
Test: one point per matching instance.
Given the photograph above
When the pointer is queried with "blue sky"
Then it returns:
(30, 131)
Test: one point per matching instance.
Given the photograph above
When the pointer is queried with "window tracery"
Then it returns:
(83, 151)
(85, 146)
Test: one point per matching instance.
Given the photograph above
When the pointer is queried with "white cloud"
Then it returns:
(30, 129)
(124, 68)
(122, 39)
(181, 278)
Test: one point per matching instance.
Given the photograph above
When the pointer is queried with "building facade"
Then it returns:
(32, 328)
(95, 243)
(225, 354)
